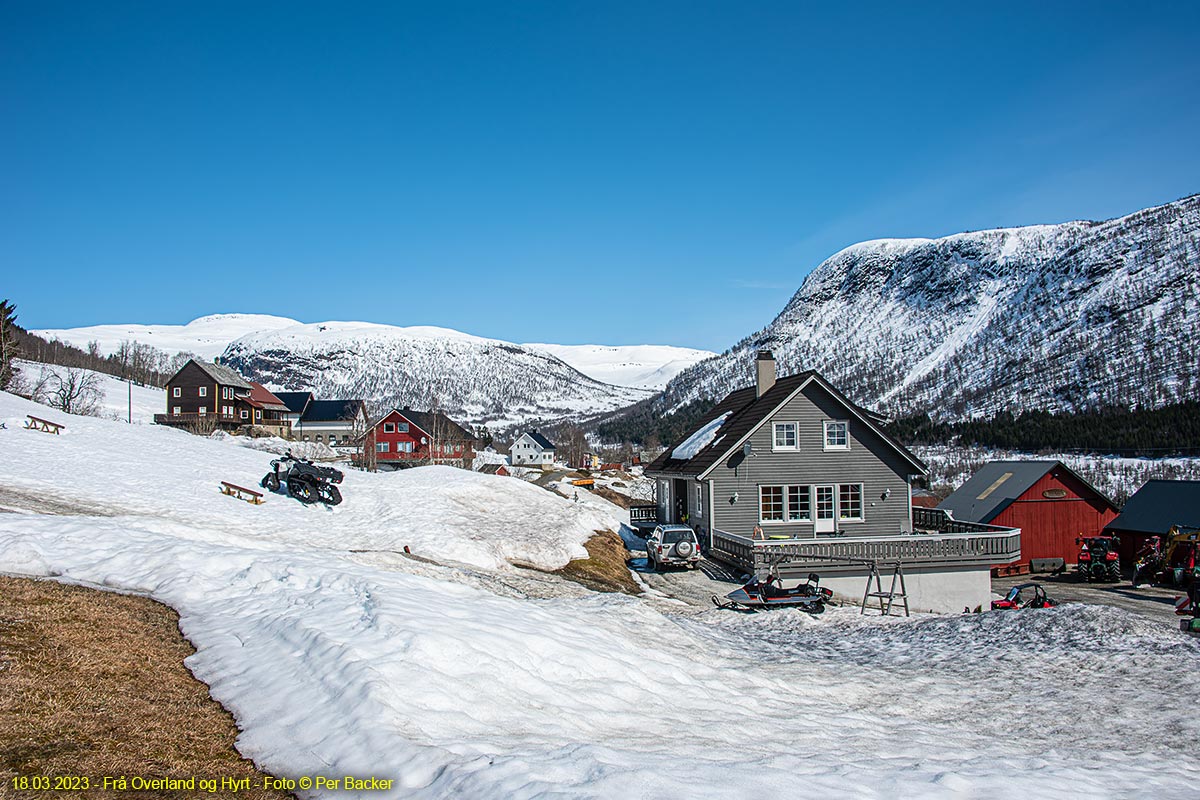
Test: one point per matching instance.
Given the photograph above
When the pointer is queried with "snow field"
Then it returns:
(335, 666)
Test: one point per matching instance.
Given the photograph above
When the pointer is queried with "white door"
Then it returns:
(823, 521)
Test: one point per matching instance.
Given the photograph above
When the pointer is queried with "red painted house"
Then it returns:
(409, 438)
(1047, 500)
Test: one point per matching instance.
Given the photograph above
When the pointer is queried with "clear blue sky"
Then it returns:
(662, 172)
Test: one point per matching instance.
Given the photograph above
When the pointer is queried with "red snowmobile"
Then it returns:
(1013, 600)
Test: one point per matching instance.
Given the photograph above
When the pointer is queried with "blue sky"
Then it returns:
(661, 172)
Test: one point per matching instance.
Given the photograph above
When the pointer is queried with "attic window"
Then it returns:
(785, 436)
(389, 427)
(837, 435)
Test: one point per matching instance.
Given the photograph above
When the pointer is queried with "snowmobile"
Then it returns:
(304, 480)
(809, 596)
(1098, 559)
(1012, 600)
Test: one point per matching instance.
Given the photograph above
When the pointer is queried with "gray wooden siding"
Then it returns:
(870, 461)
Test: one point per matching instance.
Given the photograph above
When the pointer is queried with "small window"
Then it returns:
(401, 427)
(246, 413)
(177, 392)
(203, 410)
(785, 436)
(770, 503)
(381, 447)
(389, 427)
(319, 438)
(850, 501)
(837, 435)
(203, 391)
(257, 413)
(699, 499)
(176, 410)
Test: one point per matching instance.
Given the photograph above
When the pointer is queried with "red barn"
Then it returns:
(408, 438)
(1047, 500)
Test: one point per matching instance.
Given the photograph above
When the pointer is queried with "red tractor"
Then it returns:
(1098, 559)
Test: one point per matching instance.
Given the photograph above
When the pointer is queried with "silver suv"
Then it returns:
(672, 544)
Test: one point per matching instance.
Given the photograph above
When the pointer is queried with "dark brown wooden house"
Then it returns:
(204, 394)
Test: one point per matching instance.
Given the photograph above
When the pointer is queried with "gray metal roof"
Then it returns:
(222, 375)
(1158, 505)
(990, 490)
(998, 483)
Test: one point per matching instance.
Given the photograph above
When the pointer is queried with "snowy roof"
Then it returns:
(998, 483)
(1158, 505)
(222, 375)
(744, 412)
(701, 439)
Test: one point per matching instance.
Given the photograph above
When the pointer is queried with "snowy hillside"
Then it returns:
(1058, 317)
(340, 656)
(644, 366)
(118, 399)
(206, 336)
(472, 379)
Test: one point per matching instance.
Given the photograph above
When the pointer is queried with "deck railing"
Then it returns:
(987, 547)
(644, 513)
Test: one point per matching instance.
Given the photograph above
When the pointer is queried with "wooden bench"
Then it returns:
(241, 493)
(38, 424)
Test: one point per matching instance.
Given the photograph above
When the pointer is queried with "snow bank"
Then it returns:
(439, 512)
(318, 451)
(699, 440)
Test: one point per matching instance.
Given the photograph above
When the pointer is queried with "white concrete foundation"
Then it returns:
(946, 590)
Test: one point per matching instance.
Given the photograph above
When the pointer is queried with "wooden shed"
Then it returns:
(1047, 500)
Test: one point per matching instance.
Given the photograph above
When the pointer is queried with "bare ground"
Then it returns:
(93, 684)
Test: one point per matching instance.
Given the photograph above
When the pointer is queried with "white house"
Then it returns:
(531, 449)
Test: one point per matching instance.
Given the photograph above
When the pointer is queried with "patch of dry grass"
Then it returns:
(605, 568)
(93, 684)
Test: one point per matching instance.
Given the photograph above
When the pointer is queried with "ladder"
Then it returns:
(885, 598)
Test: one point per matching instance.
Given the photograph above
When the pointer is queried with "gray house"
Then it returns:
(790, 473)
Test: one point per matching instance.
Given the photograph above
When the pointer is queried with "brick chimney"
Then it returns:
(765, 364)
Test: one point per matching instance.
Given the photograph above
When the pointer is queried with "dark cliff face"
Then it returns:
(1060, 317)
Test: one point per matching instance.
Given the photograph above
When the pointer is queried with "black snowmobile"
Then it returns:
(756, 594)
(304, 480)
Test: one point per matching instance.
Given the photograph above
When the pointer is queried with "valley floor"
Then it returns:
(456, 674)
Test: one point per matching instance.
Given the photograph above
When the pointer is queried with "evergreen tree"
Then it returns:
(8, 342)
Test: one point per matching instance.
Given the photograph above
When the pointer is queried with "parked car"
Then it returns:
(670, 545)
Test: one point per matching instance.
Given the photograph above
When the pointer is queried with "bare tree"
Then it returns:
(69, 389)
(362, 435)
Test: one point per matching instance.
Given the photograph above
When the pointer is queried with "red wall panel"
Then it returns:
(1050, 525)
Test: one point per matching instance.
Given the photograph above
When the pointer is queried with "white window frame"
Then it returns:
(381, 447)
(762, 518)
(246, 414)
(176, 410)
(787, 510)
(389, 427)
(202, 391)
(795, 430)
(203, 411)
(176, 392)
(825, 428)
(839, 515)
(699, 499)
(401, 427)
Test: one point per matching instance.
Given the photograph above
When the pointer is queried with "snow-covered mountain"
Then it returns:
(641, 366)
(474, 380)
(206, 337)
(1056, 317)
